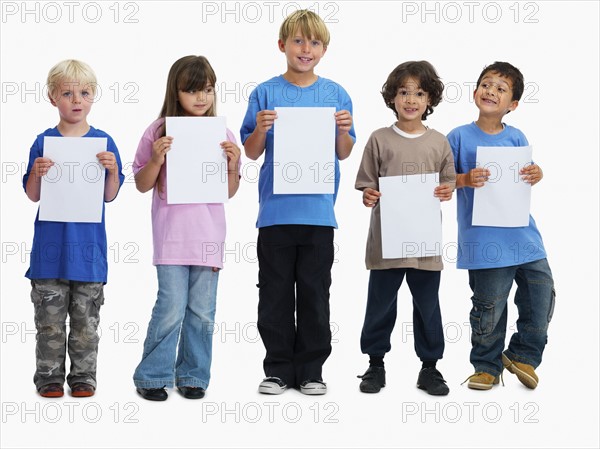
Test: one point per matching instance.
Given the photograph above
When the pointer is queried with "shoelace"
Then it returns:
(315, 381)
(276, 380)
(481, 372)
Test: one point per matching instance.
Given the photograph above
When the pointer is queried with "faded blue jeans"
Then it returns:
(534, 299)
(178, 345)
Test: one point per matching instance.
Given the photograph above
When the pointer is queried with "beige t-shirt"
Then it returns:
(388, 153)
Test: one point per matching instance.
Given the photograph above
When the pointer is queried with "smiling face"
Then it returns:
(302, 53)
(197, 103)
(74, 101)
(410, 102)
(494, 96)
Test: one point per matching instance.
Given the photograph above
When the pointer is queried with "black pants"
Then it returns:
(380, 316)
(294, 278)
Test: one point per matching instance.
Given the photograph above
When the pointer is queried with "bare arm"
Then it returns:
(475, 178)
(40, 167)
(146, 178)
(233, 159)
(254, 146)
(343, 141)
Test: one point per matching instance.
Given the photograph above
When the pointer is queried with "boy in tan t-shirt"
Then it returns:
(412, 90)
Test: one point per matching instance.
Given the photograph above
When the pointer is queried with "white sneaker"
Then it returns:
(272, 385)
(313, 387)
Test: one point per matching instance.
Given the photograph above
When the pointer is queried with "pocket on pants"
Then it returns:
(552, 302)
(482, 319)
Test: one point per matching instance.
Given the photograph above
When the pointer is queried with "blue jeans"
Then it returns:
(184, 313)
(534, 299)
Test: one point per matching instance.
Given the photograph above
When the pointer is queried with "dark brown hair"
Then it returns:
(187, 73)
(507, 71)
(424, 73)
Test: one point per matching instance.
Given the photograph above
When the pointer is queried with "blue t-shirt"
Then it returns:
(277, 209)
(72, 251)
(489, 246)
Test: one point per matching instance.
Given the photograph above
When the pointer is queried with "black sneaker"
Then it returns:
(432, 381)
(272, 385)
(313, 387)
(373, 380)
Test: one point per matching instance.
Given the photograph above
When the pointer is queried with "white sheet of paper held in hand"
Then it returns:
(411, 222)
(505, 198)
(73, 188)
(304, 151)
(196, 163)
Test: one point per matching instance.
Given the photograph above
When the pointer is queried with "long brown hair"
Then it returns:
(187, 73)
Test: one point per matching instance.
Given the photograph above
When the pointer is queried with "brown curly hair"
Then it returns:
(428, 80)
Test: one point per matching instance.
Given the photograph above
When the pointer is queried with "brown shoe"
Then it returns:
(482, 381)
(51, 391)
(525, 373)
(82, 390)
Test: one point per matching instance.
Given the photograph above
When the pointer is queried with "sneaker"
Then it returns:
(313, 387)
(82, 390)
(432, 381)
(373, 380)
(272, 385)
(482, 381)
(51, 391)
(525, 373)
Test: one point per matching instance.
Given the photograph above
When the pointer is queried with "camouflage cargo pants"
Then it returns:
(53, 300)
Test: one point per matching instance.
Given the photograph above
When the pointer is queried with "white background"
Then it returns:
(555, 44)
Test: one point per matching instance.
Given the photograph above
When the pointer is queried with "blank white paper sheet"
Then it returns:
(73, 188)
(411, 222)
(304, 151)
(505, 199)
(196, 163)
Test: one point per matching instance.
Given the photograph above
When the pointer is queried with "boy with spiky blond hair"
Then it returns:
(295, 236)
(68, 267)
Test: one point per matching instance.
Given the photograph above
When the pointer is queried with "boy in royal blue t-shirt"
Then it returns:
(68, 267)
(295, 239)
(497, 256)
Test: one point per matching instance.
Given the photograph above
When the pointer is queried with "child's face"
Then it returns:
(74, 101)
(196, 103)
(493, 96)
(411, 101)
(302, 53)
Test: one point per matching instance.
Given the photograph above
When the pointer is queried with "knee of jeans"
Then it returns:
(482, 318)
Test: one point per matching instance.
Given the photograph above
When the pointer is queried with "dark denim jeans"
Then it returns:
(534, 299)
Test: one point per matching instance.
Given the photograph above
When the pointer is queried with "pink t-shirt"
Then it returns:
(183, 234)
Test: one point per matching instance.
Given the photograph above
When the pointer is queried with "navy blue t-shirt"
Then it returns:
(63, 250)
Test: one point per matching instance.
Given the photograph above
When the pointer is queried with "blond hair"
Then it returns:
(308, 23)
(71, 70)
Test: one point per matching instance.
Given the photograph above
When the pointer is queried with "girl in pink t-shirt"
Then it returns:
(188, 244)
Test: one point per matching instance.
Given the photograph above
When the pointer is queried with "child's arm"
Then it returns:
(475, 178)
(367, 178)
(146, 178)
(447, 174)
(254, 146)
(532, 174)
(40, 167)
(112, 182)
(343, 141)
(443, 192)
(233, 161)
(370, 197)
